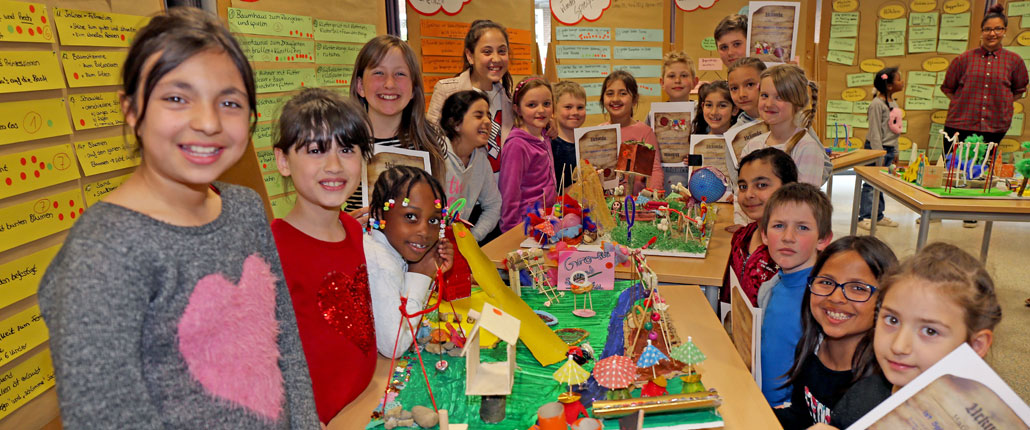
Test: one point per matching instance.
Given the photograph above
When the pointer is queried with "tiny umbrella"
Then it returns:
(650, 356)
(615, 372)
(571, 373)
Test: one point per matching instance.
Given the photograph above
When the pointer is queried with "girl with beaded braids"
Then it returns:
(527, 164)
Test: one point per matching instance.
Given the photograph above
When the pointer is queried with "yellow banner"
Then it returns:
(29, 71)
(106, 154)
(95, 110)
(86, 28)
(21, 332)
(92, 69)
(39, 168)
(95, 191)
(24, 22)
(25, 382)
(25, 222)
(32, 119)
(20, 278)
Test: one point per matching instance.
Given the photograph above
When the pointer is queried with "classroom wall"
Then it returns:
(61, 149)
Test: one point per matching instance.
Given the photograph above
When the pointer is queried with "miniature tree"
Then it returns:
(1023, 167)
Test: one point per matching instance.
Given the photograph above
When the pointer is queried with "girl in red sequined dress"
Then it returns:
(321, 144)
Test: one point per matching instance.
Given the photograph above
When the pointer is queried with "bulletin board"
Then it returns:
(293, 44)
(920, 37)
(695, 27)
(438, 37)
(61, 150)
(631, 35)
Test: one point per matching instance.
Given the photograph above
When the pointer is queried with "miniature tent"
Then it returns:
(491, 379)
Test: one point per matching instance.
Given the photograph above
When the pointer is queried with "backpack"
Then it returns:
(827, 164)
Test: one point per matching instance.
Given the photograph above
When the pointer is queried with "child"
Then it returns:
(837, 318)
(731, 39)
(784, 96)
(795, 226)
(320, 146)
(744, 78)
(678, 77)
(761, 173)
(527, 165)
(164, 305)
(887, 82)
(486, 69)
(936, 300)
(619, 97)
(465, 120)
(717, 112)
(406, 223)
(571, 110)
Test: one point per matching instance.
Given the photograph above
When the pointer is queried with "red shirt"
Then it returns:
(752, 269)
(329, 287)
(984, 85)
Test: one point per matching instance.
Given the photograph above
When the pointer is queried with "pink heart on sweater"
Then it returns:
(228, 336)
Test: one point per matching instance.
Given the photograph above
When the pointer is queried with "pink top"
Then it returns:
(639, 131)
(526, 177)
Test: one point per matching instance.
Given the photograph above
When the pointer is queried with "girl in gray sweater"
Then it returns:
(881, 135)
(466, 122)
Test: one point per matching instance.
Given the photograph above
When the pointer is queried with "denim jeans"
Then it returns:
(865, 208)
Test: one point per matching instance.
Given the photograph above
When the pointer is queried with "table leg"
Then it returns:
(988, 225)
(712, 294)
(874, 211)
(855, 204)
(829, 186)
(924, 229)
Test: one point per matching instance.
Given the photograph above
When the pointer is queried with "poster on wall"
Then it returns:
(571, 12)
(772, 31)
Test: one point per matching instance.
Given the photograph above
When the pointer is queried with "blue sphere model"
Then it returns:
(708, 184)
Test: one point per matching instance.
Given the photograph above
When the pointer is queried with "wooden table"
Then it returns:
(852, 159)
(743, 406)
(706, 272)
(932, 207)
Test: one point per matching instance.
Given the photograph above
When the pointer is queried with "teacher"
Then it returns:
(982, 84)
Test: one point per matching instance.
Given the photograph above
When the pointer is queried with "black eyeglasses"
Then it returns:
(995, 30)
(853, 291)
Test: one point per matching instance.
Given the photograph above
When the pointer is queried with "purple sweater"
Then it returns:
(527, 176)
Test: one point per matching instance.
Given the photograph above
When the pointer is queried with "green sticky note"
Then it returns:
(941, 103)
(1016, 129)
(572, 71)
(262, 136)
(862, 106)
(583, 52)
(638, 53)
(842, 44)
(842, 106)
(269, 23)
(593, 89)
(904, 126)
(860, 121)
(268, 107)
(336, 53)
(937, 90)
(838, 132)
(893, 49)
(913, 103)
(838, 118)
(922, 18)
(333, 76)
(922, 32)
(955, 20)
(951, 46)
(920, 91)
(920, 77)
(277, 50)
(843, 31)
(640, 70)
(841, 57)
(340, 31)
(887, 25)
(921, 45)
(1022, 51)
(1019, 8)
(584, 33)
(639, 34)
(941, 75)
(708, 44)
(280, 80)
(844, 18)
(955, 33)
(859, 79)
(274, 183)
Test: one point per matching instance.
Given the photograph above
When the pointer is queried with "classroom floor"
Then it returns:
(1006, 262)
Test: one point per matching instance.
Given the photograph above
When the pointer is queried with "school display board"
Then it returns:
(437, 34)
(62, 148)
(293, 44)
(695, 26)
(921, 38)
(592, 38)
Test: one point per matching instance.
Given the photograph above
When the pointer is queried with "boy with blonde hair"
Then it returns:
(570, 110)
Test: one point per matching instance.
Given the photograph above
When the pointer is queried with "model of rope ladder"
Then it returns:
(533, 261)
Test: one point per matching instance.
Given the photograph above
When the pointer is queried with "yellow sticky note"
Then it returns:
(95, 191)
(24, 22)
(25, 222)
(95, 110)
(32, 119)
(29, 71)
(93, 68)
(20, 278)
(25, 382)
(20, 333)
(105, 155)
(22, 172)
(86, 28)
